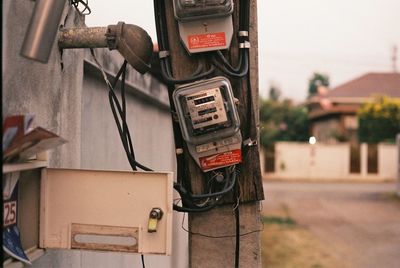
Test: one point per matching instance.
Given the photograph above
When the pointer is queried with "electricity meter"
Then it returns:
(187, 10)
(204, 25)
(209, 122)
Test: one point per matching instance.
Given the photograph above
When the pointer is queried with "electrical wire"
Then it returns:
(124, 130)
(219, 60)
(228, 187)
(188, 199)
(142, 257)
(120, 115)
(218, 236)
(86, 10)
(237, 225)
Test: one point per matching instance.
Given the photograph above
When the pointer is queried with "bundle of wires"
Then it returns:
(242, 67)
(209, 200)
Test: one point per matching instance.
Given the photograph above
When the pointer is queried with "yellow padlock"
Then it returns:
(155, 215)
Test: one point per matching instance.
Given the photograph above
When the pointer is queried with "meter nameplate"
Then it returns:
(206, 108)
(208, 40)
(221, 160)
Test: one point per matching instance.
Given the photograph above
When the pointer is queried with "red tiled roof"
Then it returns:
(368, 85)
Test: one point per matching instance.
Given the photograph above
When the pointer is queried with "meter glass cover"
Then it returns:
(197, 9)
(206, 110)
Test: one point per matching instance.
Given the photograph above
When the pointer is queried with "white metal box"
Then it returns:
(105, 210)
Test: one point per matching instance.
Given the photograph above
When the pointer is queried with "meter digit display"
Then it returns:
(204, 100)
(206, 108)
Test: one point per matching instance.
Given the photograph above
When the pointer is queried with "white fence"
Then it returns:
(295, 160)
(398, 165)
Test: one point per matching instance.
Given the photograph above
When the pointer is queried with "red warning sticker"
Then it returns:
(207, 40)
(221, 160)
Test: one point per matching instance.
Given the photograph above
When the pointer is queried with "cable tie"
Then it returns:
(245, 44)
(249, 142)
(111, 38)
(163, 54)
(243, 33)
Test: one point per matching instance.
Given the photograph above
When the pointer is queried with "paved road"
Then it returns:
(359, 223)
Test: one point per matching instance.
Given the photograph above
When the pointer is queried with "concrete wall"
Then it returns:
(301, 160)
(398, 164)
(329, 161)
(72, 102)
(387, 159)
(53, 94)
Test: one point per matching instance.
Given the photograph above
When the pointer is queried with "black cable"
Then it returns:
(237, 224)
(119, 114)
(227, 189)
(143, 261)
(85, 4)
(219, 236)
(242, 67)
(189, 206)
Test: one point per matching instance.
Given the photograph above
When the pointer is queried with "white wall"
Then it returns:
(294, 160)
(387, 161)
(302, 160)
(398, 164)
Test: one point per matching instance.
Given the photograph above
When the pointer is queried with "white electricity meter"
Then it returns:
(204, 25)
(209, 122)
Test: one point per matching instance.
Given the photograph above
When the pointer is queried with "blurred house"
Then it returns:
(333, 113)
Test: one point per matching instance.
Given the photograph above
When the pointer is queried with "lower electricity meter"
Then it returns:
(209, 122)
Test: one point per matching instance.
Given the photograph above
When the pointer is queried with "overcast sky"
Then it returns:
(342, 38)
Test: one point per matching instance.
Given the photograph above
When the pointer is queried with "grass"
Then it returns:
(285, 244)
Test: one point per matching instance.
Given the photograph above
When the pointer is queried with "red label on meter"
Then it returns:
(207, 40)
(221, 160)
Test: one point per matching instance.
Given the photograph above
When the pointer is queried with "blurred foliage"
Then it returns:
(281, 120)
(274, 93)
(379, 120)
(316, 80)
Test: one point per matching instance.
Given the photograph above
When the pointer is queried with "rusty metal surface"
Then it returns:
(93, 37)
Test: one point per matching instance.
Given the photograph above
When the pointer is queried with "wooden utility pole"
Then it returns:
(205, 250)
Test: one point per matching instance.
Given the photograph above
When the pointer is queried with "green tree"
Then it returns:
(316, 80)
(379, 120)
(274, 93)
(283, 121)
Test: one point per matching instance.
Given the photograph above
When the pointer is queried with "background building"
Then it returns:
(333, 113)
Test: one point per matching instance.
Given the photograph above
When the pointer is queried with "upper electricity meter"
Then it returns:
(204, 25)
(187, 10)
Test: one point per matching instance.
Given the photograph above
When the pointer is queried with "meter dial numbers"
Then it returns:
(206, 110)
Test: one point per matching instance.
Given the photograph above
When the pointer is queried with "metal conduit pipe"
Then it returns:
(134, 44)
(93, 37)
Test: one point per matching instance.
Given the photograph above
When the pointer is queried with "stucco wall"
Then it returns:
(387, 160)
(72, 102)
(53, 94)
